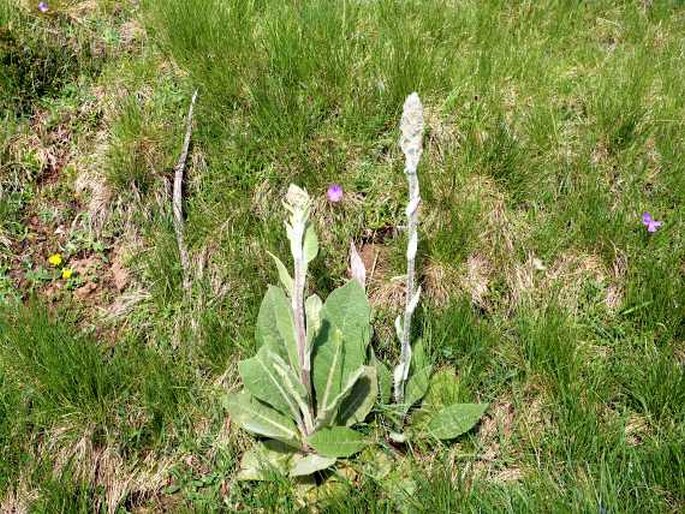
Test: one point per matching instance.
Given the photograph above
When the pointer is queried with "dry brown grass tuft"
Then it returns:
(533, 282)
(18, 499)
(571, 271)
(533, 419)
(132, 34)
(390, 295)
(477, 279)
(123, 305)
(497, 424)
(264, 200)
(443, 136)
(440, 283)
(496, 431)
(520, 279)
(502, 231)
(210, 271)
(636, 429)
(82, 9)
(385, 292)
(99, 199)
(615, 289)
(443, 281)
(679, 353)
(600, 153)
(91, 182)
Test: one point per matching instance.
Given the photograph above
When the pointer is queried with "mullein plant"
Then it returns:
(438, 416)
(309, 381)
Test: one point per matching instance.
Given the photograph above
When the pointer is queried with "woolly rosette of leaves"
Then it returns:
(430, 409)
(305, 418)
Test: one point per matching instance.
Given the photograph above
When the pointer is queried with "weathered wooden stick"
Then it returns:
(179, 169)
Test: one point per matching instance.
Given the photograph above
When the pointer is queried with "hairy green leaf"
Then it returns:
(337, 442)
(384, 379)
(310, 464)
(456, 420)
(283, 274)
(260, 419)
(296, 390)
(360, 400)
(326, 411)
(443, 390)
(311, 244)
(419, 375)
(276, 328)
(264, 459)
(312, 308)
(263, 381)
(327, 362)
(348, 310)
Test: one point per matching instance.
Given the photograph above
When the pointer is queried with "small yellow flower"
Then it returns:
(55, 259)
(67, 273)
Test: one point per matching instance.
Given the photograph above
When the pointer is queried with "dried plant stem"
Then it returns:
(178, 198)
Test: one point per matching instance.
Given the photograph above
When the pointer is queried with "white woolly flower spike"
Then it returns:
(296, 198)
(411, 127)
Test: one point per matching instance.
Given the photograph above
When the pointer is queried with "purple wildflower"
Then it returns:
(334, 193)
(649, 222)
(43, 7)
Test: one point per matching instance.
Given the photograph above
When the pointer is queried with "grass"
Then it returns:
(550, 128)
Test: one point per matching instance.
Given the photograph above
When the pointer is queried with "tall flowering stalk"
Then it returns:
(411, 128)
(303, 247)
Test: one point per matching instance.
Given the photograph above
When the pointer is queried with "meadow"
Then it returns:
(551, 127)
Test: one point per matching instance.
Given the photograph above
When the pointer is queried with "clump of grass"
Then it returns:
(87, 405)
(39, 56)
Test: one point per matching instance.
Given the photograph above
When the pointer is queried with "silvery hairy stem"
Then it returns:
(297, 203)
(411, 128)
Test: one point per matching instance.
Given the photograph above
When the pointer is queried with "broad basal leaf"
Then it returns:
(327, 363)
(360, 400)
(376, 461)
(419, 375)
(310, 464)
(275, 326)
(456, 420)
(258, 418)
(265, 383)
(443, 390)
(348, 309)
(339, 349)
(326, 411)
(295, 389)
(264, 459)
(337, 442)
